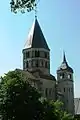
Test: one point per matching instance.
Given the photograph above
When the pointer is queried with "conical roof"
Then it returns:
(36, 38)
(64, 65)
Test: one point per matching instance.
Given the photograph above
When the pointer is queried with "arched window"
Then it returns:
(37, 53)
(37, 63)
(50, 91)
(69, 76)
(33, 53)
(45, 54)
(33, 63)
(46, 65)
(27, 64)
(24, 65)
(42, 63)
(46, 92)
(64, 89)
(61, 75)
(27, 54)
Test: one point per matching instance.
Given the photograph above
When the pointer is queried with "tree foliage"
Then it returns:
(20, 101)
(22, 5)
(53, 111)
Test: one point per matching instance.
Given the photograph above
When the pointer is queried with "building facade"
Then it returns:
(36, 64)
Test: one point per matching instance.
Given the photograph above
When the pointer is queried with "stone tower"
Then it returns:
(36, 53)
(66, 85)
(36, 62)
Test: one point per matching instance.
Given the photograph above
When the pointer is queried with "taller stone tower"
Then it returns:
(36, 53)
(36, 62)
(66, 85)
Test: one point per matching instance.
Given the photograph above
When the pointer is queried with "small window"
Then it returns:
(46, 64)
(64, 89)
(42, 62)
(62, 76)
(37, 53)
(37, 63)
(45, 54)
(27, 64)
(27, 54)
(33, 63)
(50, 91)
(33, 53)
(69, 76)
(46, 92)
(24, 65)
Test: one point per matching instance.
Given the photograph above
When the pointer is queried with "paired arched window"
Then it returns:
(42, 54)
(36, 53)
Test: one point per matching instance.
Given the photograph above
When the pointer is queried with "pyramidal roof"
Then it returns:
(64, 65)
(36, 38)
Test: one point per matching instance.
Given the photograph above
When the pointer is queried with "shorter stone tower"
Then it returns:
(66, 85)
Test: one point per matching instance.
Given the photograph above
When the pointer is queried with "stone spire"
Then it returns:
(64, 64)
(36, 38)
(64, 57)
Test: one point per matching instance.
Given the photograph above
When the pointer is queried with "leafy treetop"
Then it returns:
(22, 5)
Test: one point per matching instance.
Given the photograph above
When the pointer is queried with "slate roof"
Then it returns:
(64, 65)
(44, 76)
(77, 106)
(49, 77)
(36, 38)
(32, 75)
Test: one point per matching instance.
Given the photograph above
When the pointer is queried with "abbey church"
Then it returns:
(36, 65)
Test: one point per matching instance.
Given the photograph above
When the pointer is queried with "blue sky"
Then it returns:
(60, 22)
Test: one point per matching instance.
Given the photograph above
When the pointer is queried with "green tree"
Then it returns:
(53, 111)
(22, 5)
(18, 100)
